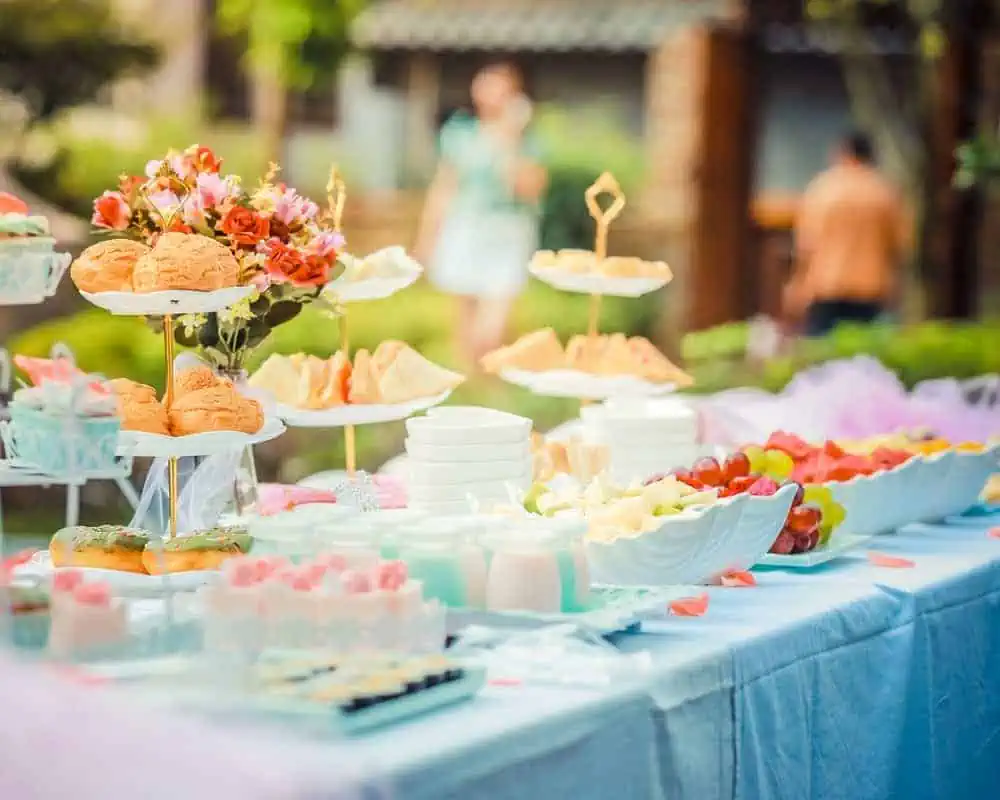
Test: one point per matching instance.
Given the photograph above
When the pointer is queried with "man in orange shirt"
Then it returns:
(850, 238)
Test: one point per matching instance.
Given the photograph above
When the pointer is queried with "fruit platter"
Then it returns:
(885, 483)
(667, 531)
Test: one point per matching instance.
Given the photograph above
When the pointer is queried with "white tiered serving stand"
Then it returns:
(168, 305)
(574, 383)
(344, 293)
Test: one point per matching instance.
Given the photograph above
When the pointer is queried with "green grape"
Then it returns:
(758, 461)
(532, 497)
(834, 515)
(665, 511)
(778, 465)
(818, 495)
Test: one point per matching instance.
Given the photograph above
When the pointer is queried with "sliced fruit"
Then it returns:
(778, 464)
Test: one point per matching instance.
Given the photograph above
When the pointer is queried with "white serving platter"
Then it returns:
(154, 445)
(589, 283)
(157, 304)
(360, 414)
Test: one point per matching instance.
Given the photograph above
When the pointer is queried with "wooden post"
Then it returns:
(721, 225)
(423, 90)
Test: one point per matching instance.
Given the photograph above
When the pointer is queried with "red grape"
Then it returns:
(800, 493)
(764, 487)
(736, 466)
(784, 544)
(812, 540)
(708, 471)
(743, 483)
(802, 519)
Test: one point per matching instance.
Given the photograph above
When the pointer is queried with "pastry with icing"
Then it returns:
(204, 550)
(19, 231)
(107, 266)
(195, 379)
(85, 618)
(139, 408)
(102, 547)
(186, 261)
(217, 408)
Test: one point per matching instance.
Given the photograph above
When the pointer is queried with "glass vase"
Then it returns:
(245, 485)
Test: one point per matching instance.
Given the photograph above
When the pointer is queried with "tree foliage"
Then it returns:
(899, 115)
(295, 42)
(56, 54)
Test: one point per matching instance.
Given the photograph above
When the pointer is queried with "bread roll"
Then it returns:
(186, 261)
(219, 408)
(194, 379)
(107, 266)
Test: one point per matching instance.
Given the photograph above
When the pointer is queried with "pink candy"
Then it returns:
(355, 582)
(67, 580)
(335, 563)
(315, 572)
(390, 575)
(242, 573)
(301, 582)
(93, 594)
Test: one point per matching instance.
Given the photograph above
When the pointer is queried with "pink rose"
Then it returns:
(111, 212)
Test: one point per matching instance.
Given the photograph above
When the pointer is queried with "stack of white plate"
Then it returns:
(461, 459)
(644, 436)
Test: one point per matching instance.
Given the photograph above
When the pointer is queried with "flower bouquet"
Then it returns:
(279, 238)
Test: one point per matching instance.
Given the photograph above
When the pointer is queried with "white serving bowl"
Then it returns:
(468, 453)
(924, 489)
(695, 546)
(431, 473)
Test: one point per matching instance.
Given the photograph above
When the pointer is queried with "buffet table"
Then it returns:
(849, 681)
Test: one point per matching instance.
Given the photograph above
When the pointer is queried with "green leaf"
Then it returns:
(282, 312)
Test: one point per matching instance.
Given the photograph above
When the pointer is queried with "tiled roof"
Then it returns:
(527, 25)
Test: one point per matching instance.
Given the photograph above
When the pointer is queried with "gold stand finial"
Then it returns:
(603, 217)
(336, 198)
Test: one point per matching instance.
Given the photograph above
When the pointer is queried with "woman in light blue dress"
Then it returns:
(480, 223)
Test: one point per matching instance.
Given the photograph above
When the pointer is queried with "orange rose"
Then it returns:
(177, 225)
(129, 185)
(285, 263)
(244, 227)
(204, 160)
(111, 211)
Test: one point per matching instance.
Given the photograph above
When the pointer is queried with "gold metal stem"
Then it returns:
(168, 351)
(350, 445)
(593, 324)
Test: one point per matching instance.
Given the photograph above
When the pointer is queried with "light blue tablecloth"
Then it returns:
(850, 681)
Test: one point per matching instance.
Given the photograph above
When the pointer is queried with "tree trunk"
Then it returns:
(270, 113)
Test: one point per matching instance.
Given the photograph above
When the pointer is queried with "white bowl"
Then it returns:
(468, 453)
(695, 546)
(431, 473)
(468, 427)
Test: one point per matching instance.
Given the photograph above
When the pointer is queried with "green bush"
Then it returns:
(916, 353)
